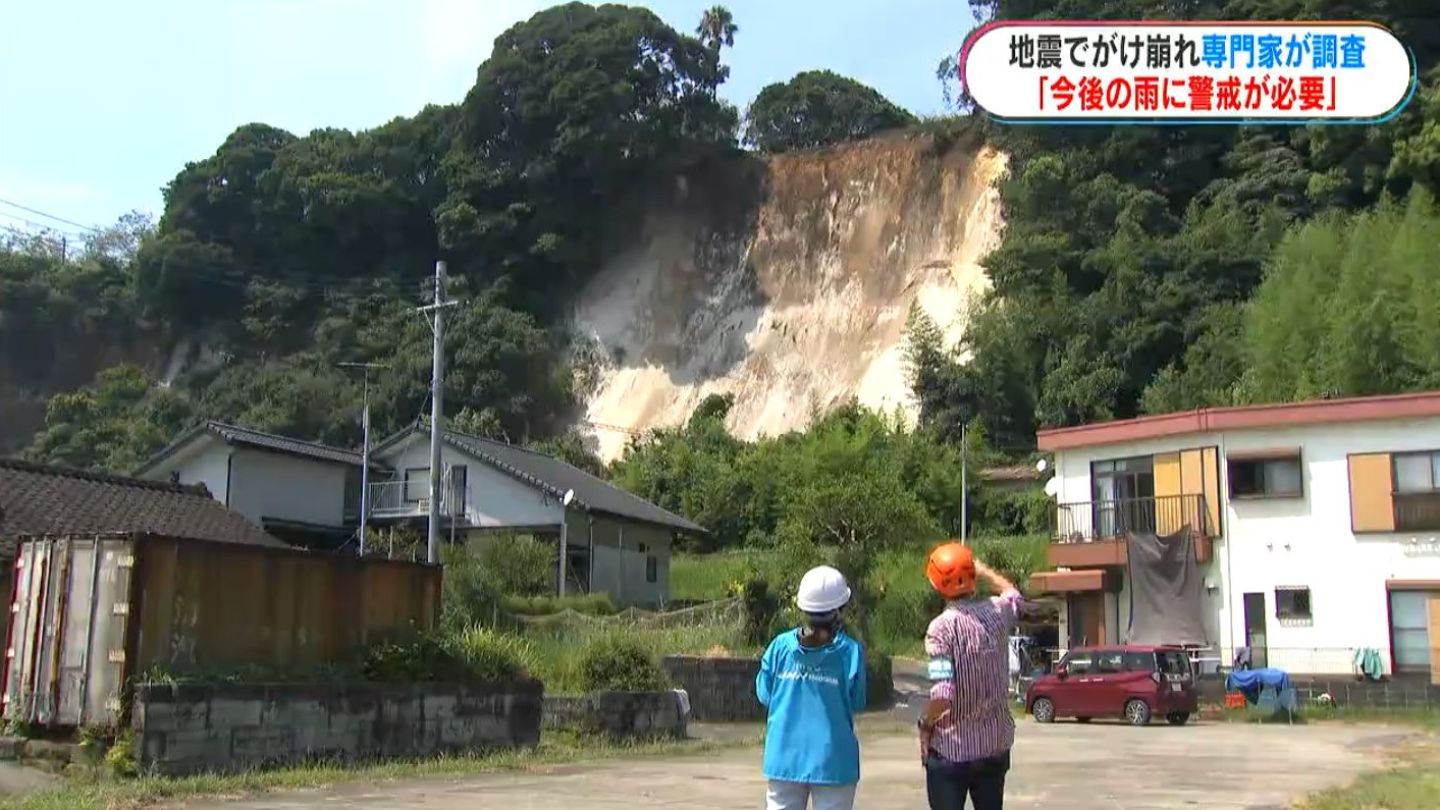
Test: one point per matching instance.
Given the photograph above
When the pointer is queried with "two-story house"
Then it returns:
(309, 494)
(1315, 526)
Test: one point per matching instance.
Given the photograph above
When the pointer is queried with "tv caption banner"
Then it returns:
(1199, 72)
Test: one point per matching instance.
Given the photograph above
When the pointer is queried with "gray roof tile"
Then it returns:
(38, 499)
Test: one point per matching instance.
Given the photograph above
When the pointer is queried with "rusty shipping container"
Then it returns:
(91, 613)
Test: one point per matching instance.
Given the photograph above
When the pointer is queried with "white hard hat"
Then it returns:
(822, 590)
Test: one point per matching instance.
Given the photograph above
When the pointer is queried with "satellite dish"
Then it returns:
(1041, 465)
(1052, 487)
(569, 496)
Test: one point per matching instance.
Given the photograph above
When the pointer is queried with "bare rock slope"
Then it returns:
(786, 282)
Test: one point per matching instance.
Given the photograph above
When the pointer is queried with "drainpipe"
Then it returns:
(1222, 476)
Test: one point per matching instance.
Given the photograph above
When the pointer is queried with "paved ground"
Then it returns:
(1064, 766)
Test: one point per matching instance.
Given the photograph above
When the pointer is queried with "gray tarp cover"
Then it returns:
(1166, 590)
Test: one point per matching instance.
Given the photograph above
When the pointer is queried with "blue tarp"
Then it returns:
(1251, 682)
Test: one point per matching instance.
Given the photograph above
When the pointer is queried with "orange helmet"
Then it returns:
(951, 570)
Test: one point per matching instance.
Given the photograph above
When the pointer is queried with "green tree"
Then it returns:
(114, 424)
(818, 108)
(717, 28)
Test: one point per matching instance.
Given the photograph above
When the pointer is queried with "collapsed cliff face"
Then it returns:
(786, 282)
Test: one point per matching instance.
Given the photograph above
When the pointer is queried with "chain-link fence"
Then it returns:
(717, 612)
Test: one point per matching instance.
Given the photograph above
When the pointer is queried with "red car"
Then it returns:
(1135, 682)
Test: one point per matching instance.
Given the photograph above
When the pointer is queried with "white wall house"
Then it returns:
(309, 494)
(303, 492)
(615, 542)
(1317, 525)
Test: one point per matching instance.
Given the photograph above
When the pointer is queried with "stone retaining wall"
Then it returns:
(186, 729)
(617, 715)
(722, 690)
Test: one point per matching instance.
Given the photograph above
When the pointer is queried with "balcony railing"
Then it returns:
(389, 499)
(1111, 520)
(1417, 511)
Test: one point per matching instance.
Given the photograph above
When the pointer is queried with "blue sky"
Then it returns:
(102, 102)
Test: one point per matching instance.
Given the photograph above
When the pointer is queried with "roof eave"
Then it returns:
(175, 446)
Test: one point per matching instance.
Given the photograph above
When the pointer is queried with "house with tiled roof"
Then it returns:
(308, 494)
(39, 499)
(615, 542)
(303, 492)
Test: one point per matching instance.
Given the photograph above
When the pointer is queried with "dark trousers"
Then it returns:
(983, 780)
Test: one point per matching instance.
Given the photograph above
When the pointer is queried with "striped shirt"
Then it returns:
(970, 643)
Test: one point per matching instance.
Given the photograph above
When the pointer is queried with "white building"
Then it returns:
(309, 494)
(1316, 525)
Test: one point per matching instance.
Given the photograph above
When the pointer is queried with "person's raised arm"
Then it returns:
(996, 580)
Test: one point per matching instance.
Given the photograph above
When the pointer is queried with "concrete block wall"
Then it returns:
(721, 690)
(195, 728)
(617, 715)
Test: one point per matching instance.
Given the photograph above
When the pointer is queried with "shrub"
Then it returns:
(491, 655)
(516, 564)
(879, 682)
(616, 663)
(762, 609)
(121, 757)
(482, 574)
(425, 658)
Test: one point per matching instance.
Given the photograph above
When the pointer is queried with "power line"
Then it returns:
(42, 226)
(39, 213)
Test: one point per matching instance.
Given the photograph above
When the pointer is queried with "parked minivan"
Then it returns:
(1132, 682)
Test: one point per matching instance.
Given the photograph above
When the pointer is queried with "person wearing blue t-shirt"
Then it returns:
(812, 681)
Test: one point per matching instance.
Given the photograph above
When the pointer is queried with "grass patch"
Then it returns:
(705, 577)
(85, 793)
(1412, 783)
(559, 651)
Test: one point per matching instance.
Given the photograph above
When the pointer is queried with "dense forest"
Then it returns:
(1143, 269)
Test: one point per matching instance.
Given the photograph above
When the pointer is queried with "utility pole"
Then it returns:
(964, 482)
(365, 451)
(437, 378)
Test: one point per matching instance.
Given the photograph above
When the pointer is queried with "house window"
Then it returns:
(1270, 477)
(459, 478)
(1417, 491)
(352, 492)
(1417, 472)
(1292, 603)
(1410, 630)
(652, 569)
(1123, 491)
(417, 484)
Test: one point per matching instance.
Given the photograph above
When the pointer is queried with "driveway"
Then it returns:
(1065, 766)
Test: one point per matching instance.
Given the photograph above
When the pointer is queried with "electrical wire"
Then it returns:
(37, 212)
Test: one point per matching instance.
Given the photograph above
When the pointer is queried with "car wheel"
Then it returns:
(1082, 719)
(1043, 710)
(1137, 712)
(1177, 718)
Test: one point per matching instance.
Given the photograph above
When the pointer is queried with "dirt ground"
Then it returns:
(1064, 766)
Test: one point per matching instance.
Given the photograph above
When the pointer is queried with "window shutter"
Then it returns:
(1372, 507)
